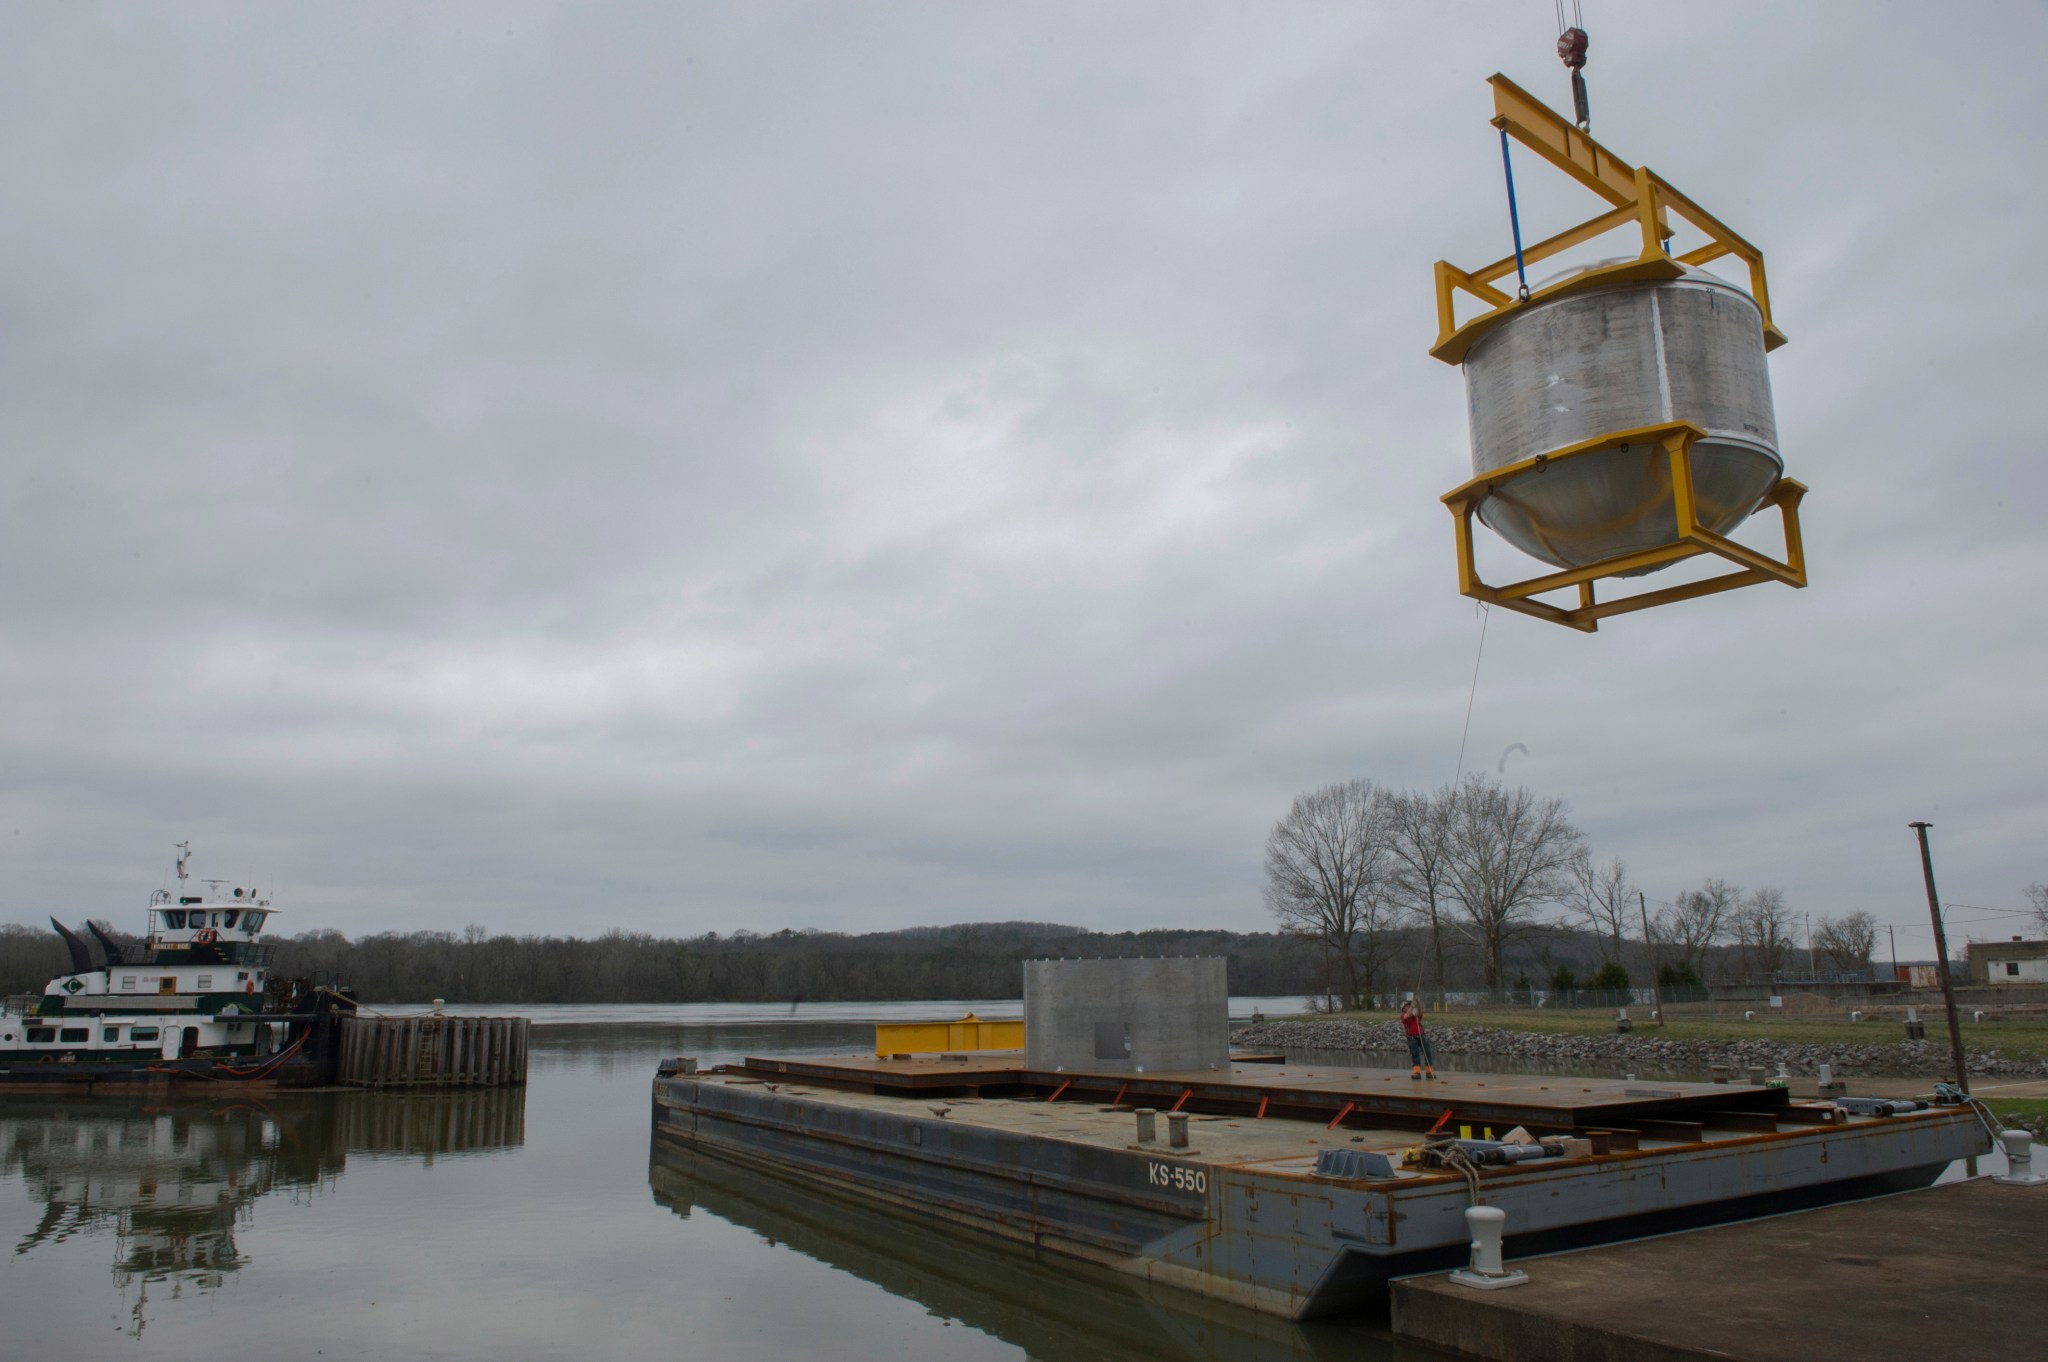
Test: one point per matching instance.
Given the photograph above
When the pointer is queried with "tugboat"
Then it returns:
(194, 1000)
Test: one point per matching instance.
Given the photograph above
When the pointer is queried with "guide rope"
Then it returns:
(1485, 611)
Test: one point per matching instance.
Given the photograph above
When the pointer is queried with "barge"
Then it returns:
(1298, 1191)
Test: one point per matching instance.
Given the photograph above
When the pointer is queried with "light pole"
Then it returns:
(1948, 992)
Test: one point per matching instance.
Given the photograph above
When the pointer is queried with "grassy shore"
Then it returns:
(2026, 1040)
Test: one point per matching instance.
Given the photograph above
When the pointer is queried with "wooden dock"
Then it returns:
(436, 1051)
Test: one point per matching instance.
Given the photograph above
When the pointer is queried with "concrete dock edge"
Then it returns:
(1951, 1271)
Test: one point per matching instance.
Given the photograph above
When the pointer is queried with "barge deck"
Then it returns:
(1052, 1160)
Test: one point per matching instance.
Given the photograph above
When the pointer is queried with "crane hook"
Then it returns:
(1571, 50)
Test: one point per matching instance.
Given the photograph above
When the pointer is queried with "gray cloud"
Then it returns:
(693, 467)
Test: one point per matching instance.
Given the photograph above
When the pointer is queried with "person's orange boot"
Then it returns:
(1429, 1072)
(1417, 1074)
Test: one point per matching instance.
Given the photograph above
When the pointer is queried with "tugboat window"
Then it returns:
(111, 1034)
(142, 1033)
(174, 920)
(254, 922)
(41, 1035)
(71, 1035)
(127, 981)
(228, 919)
(206, 981)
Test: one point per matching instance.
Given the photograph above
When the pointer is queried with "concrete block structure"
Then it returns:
(2009, 962)
(1127, 1016)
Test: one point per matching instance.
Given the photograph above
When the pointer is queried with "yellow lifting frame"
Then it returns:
(947, 1037)
(1692, 538)
(1634, 193)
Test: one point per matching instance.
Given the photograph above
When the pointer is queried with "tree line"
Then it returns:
(981, 960)
(1481, 879)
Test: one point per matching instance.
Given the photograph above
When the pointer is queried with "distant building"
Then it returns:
(2009, 962)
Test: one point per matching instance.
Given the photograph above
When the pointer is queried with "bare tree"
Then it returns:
(1847, 940)
(1511, 851)
(1329, 880)
(1763, 928)
(1606, 898)
(1421, 824)
(1698, 919)
(2037, 899)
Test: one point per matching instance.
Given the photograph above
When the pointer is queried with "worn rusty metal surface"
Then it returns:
(1501, 1099)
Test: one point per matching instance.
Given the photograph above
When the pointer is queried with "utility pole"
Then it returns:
(1656, 990)
(1812, 970)
(1948, 992)
(1893, 933)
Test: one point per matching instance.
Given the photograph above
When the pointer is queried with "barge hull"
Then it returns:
(1262, 1232)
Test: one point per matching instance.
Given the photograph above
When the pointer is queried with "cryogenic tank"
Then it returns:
(1589, 363)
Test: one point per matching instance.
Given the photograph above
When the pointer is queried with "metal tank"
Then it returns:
(1590, 363)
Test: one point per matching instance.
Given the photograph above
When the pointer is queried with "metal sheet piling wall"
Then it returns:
(433, 1052)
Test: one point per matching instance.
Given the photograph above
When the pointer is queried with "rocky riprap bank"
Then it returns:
(1900, 1059)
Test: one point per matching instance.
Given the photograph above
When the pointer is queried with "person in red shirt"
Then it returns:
(1418, 1044)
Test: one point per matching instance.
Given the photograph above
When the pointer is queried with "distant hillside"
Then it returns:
(967, 960)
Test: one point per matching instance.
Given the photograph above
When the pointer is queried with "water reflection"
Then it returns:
(1045, 1308)
(171, 1180)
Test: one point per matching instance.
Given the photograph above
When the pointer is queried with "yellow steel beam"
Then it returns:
(1609, 567)
(1562, 142)
(1689, 540)
(1668, 595)
(1552, 245)
(1632, 192)
(1474, 489)
(947, 1037)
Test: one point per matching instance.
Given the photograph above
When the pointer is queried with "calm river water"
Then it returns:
(533, 1223)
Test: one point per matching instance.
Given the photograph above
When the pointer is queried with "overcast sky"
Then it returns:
(702, 466)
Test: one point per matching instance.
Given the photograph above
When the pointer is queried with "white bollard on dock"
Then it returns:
(1487, 1272)
(2019, 1158)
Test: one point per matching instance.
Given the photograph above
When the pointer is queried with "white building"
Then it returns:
(2009, 962)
